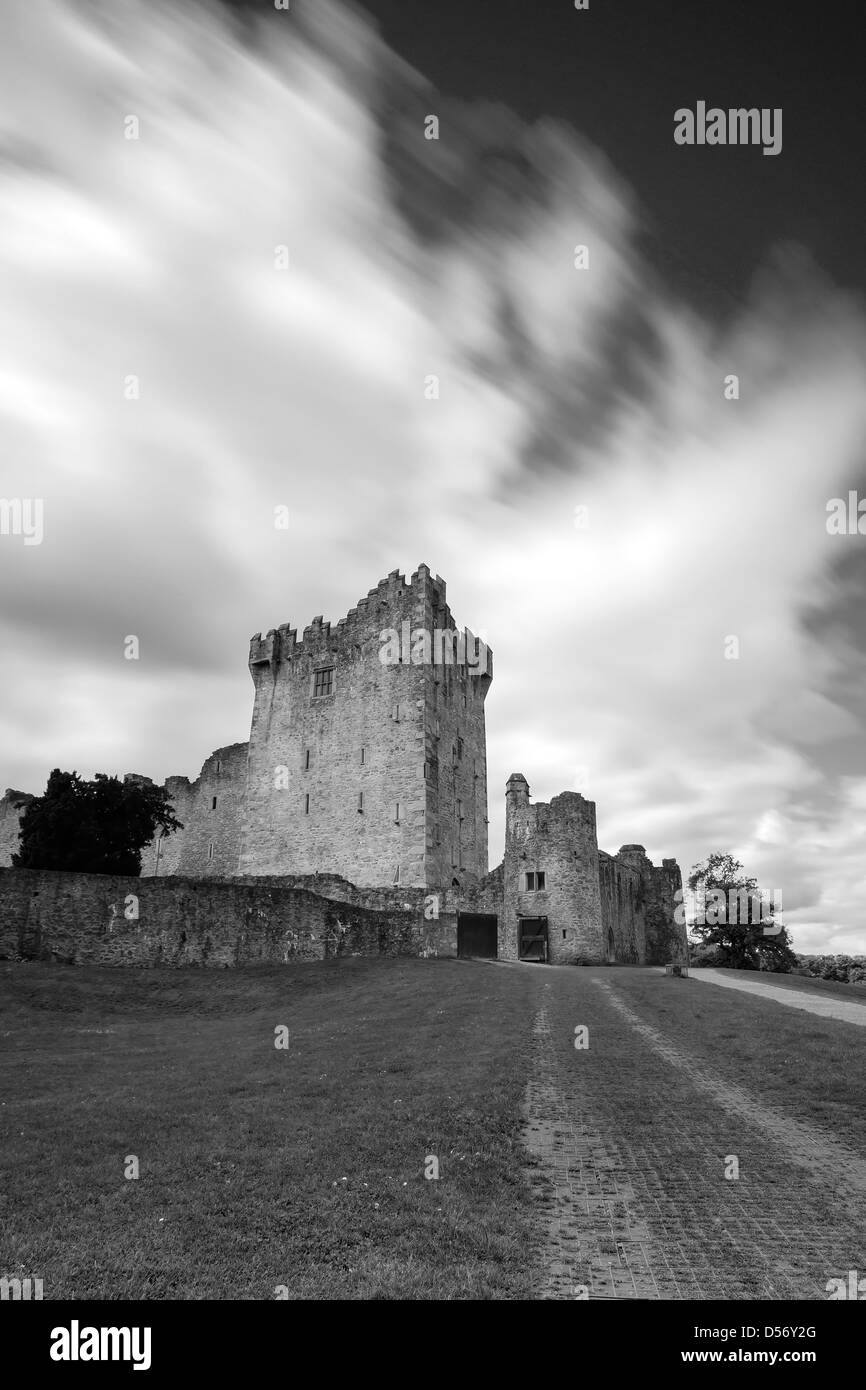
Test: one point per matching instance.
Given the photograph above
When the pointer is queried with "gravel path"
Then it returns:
(629, 1141)
(829, 1007)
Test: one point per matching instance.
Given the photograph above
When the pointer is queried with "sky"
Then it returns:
(605, 518)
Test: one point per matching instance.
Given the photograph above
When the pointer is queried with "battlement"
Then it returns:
(566, 807)
(570, 804)
(395, 599)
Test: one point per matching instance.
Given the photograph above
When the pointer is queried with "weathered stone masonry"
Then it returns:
(101, 919)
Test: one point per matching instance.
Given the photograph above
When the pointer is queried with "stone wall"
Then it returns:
(433, 911)
(89, 919)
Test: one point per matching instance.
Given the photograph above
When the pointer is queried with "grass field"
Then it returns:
(304, 1167)
(262, 1167)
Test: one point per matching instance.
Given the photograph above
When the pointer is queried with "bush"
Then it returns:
(849, 970)
(702, 955)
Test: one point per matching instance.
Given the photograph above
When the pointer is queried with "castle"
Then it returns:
(366, 766)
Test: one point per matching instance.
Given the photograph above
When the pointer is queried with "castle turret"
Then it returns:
(550, 873)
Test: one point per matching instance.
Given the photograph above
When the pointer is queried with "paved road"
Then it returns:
(829, 1006)
(628, 1142)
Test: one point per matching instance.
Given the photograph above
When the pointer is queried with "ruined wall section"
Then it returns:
(212, 810)
(558, 838)
(12, 808)
(623, 904)
(638, 904)
(667, 939)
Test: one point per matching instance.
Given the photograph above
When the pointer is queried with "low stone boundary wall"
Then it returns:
(100, 919)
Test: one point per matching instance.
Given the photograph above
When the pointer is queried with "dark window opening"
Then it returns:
(323, 682)
(213, 804)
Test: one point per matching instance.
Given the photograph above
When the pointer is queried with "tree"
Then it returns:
(97, 827)
(729, 918)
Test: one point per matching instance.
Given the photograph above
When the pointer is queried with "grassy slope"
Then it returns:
(262, 1167)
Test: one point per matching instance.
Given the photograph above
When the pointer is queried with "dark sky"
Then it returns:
(618, 71)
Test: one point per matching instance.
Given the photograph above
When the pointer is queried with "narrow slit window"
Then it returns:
(361, 803)
(307, 804)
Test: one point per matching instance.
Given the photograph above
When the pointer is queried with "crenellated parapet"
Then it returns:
(405, 606)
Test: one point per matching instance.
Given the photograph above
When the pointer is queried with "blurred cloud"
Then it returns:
(559, 388)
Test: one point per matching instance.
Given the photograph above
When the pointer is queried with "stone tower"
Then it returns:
(367, 752)
(551, 869)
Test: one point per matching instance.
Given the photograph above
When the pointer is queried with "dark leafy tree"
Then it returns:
(735, 933)
(97, 827)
